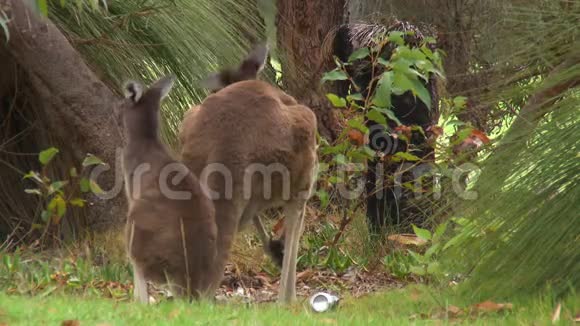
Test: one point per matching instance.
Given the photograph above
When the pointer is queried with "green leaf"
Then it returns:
(324, 198)
(341, 147)
(429, 40)
(422, 233)
(434, 268)
(419, 129)
(57, 205)
(85, 185)
(396, 37)
(463, 134)
(33, 191)
(412, 55)
(377, 116)
(369, 151)
(421, 91)
(359, 54)
(33, 175)
(455, 123)
(401, 65)
(96, 189)
(402, 83)
(404, 156)
(355, 97)
(358, 124)
(459, 102)
(341, 159)
(384, 62)
(78, 202)
(360, 155)
(335, 179)
(432, 250)
(47, 155)
(417, 270)
(461, 221)
(45, 216)
(92, 160)
(56, 186)
(335, 74)
(336, 101)
(418, 74)
(417, 257)
(440, 230)
(390, 114)
(382, 96)
(73, 172)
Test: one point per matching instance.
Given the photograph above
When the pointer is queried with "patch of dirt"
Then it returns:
(261, 287)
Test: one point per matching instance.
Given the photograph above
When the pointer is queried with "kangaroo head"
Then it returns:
(140, 112)
(252, 64)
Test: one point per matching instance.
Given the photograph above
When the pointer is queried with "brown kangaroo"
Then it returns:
(255, 148)
(171, 232)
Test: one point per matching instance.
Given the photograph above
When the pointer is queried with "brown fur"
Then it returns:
(169, 241)
(245, 123)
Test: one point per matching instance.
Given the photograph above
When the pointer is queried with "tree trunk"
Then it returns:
(302, 26)
(78, 107)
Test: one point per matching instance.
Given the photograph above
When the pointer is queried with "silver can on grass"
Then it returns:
(321, 301)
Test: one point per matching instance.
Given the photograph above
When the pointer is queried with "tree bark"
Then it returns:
(302, 26)
(79, 107)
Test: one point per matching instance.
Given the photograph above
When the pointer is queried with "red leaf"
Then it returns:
(480, 135)
(435, 130)
(356, 137)
(278, 228)
(404, 130)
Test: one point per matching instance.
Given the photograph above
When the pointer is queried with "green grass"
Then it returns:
(413, 305)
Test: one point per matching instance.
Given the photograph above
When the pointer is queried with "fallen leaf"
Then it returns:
(556, 313)
(407, 239)
(304, 274)
(454, 311)
(490, 306)
(278, 228)
(577, 318)
(72, 322)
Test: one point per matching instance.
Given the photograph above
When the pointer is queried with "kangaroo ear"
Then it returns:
(255, 60)
(133, 90)
(164, 85)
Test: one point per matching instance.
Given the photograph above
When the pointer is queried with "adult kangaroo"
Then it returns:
(171, 232)
(255, 146)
